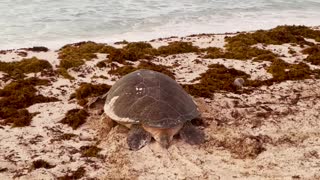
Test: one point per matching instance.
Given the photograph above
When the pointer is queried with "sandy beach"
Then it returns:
(267, 129)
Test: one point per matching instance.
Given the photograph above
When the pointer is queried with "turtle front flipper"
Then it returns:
(138, 138)
(191, 134)
(97, 103)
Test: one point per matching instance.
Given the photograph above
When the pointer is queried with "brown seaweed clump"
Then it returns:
(156, 67)
(102, 64)
(216, 78)
(77, 174)
(241, 45)
(17, 70)
(123, 70)
(87, 90)
(278, 35)
(265, 57)
(17, 117)
(314, 54)
(132, 52)
(37, 49)
(141, 50)
(242, 146)
(177, 47)
(214, 53)
(246, 146)
(64, 73)
(89, 151)
(138, 50)
(41, 164)
(237, 49)
(75, 118)
(17, 96)
(74, 55)
(282, 71)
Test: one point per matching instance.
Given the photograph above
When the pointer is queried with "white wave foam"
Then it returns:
(55, 23)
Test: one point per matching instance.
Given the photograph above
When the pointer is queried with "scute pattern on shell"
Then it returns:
(149, 98)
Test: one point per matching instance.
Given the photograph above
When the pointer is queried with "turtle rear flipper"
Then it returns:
(138, 138)
(191, 134)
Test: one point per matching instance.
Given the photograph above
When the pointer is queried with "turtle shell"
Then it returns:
(150, 98)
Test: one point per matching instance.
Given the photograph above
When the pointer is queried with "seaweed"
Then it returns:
(241, 51)
(138, 50)
(63, 137)
(141, 50)
(247, 146)
(265, 57)
(48, 73)
(89, 151)
(156, 67)
(316, 73)
(75, 55)
(220, 78)
(17, 70)
(311, 50)
(77, 174)
(19, 118)
(101, 64)
(241, 45)
(66, 136)
(64, 73)
(292, 51)
(217, 77)
(123, 70)
(121, 42)
(3, 169)
(314, 54)
(282, 71)
(132, 52)
(22, 54)
(90, 90)
(37, 49)
(41, 164)
(214, 53)
(75, 118)
(117, 55)
(177, 47)
(18, 95)
(67, 63)
(277, 35)
(103, 77)
(198, 90)
(237, 50)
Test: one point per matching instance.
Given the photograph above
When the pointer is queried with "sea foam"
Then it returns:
(55, 23)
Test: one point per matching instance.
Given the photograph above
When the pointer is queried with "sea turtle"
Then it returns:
(154, 105)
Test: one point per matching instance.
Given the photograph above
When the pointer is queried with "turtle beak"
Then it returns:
(165, 141)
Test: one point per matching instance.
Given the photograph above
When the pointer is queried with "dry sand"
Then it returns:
(271, 133)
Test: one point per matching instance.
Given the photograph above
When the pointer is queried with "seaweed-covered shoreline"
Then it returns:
(42, 94)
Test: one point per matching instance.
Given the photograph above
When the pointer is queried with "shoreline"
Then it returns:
(267, 129)
(55, 45)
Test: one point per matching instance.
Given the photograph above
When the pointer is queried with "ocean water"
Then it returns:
(53, 23)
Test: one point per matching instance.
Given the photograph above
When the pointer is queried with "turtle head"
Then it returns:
(164, 140)
(163, 136)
